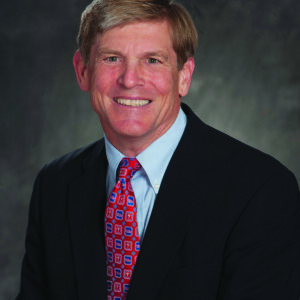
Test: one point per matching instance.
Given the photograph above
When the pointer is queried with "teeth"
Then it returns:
(129, 102)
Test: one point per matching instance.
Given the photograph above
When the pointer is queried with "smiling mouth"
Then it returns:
(131, 102)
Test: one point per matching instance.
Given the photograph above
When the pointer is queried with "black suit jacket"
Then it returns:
(225, 225)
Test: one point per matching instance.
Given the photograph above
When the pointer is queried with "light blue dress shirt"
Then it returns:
(154, 160)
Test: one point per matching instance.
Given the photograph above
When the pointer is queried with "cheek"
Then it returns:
(164, 83)
(101, 90)
(101, 83)
(97, 95)
(104, 79)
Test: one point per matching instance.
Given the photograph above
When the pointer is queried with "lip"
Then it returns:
(132, 101)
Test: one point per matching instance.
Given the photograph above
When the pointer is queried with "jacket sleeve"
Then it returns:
(33, 281)
(262, 257)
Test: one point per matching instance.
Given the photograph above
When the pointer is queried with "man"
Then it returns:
(211, 217)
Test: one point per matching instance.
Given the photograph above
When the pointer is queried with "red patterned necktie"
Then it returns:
(121, 232)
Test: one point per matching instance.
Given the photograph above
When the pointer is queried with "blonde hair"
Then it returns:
(102, 15)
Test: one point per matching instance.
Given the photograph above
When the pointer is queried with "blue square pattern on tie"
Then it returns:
(109, 256)
(109, 227)
(130, 201)
(128, 231)
(112, 197)
(118, 273)
(123, 184)
(119, 214)
(137, 246)
(118, 244)
(127, 259)
(124, 163)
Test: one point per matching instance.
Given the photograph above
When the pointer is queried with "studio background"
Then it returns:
(246, 83)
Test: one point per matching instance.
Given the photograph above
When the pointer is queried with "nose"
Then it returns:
(131, 75)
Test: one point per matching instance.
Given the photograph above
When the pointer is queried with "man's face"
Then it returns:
(134, 83)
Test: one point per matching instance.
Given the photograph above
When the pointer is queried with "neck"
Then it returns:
(130, 147)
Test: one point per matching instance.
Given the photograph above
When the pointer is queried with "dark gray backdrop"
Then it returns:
(246, 83)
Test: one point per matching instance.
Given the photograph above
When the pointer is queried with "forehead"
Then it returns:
(139, 34)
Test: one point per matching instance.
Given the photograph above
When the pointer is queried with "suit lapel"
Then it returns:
(173, 209)
(165, 233)
(87, 200)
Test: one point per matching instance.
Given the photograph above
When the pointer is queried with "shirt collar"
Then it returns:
(155, 158)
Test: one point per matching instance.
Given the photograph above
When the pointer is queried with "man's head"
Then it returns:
(136, 65)
(102, 15)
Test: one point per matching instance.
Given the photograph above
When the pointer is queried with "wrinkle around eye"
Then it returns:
(111, 59)
(153, 61)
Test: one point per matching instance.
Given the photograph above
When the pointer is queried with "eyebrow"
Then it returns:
(103, 51)
(161, 54)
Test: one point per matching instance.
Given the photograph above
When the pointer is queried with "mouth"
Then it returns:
(131, 102)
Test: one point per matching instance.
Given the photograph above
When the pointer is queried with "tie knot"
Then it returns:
(128, 167)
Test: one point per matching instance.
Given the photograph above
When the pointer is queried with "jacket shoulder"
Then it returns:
(69, 165)
(227, 157)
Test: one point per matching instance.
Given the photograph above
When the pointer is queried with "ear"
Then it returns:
(185, 77)
(81, 71)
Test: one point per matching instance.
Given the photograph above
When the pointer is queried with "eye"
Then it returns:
(111, 59)
(152, 60)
